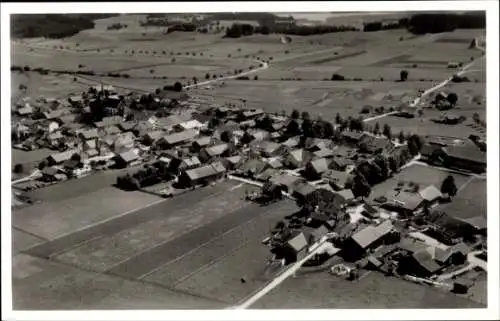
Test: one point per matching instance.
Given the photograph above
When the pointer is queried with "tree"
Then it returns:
(476, 118)
(305, 115)
(207, 76)
(448, 186)
(452, 98)
(293, 128)
(226, 136)
(393, 164)
(403, 75)
(295, 114)
(338, 119)
(415, 144)
(328, 130)
(387, 131)
(76, 157)
(177, 86)
(307, 128)
(376, 129)
(18, 169)
(360, 187)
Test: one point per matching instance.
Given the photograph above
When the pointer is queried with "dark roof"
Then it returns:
(411, 245)
(304, 189)
(467, 153)
(370, 234)
(71, 164)
(181, 136)
(478, 222)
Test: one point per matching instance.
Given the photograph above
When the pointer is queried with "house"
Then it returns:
(125, 140)
(67, 119)
(190, 124)
(420, 260)
(314, 169)
(323, 153)
(202, 175)
(25, 111)
(49, 174)
(128, 125)
(266, 148)
(55, 138)
(404, 202)
(315, 144)
(255, 134)
(48, 126)
(297, 248)
(267, 174)
(250, 114)
(201, 143)
(177, 139)
(54, 114)
(275, 162)
(112, 130)
(89, 134)
(127, 158)
(336, 179)
(340, 163)
(369, 211)
(369, 237)
(431, 194)
(291, 142)
(168, 123)
(109, 121)
(326, 201)
(232, 162)
(220, 150)
(287, 182)
(302, 191)
(297, 158)
(252, 167)
(352, 137)
(429, 152)
(152, 136)
(189, 163)
(465, 157)
(347, 195)
(373, 145)
(59, 158)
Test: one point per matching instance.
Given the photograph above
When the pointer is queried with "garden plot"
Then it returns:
(49, 86)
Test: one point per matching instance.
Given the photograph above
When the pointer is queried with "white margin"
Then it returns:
(492, 312)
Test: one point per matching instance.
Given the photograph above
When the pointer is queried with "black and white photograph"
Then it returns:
(250, 159)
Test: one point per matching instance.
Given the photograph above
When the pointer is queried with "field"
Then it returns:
(201, 235)
(470, 201)
(321, 290)
(420, 174)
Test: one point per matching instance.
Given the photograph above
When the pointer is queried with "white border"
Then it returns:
(493, 173)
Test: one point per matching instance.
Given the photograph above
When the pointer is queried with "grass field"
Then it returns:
(422, 175)
(322, 290)
(470, 201)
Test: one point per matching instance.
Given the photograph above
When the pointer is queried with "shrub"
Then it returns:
(255, 77)
(414, 66)
(365, 110)
(26, 68)
(337, 77)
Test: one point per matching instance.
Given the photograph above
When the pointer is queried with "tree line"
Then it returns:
(52, 26)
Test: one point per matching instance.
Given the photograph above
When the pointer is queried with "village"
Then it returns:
(175, 145)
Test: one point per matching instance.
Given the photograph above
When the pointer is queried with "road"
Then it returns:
(417, 100)
(35, 174)
(473, 262)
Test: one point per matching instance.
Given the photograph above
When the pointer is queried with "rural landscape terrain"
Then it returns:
(249, 161)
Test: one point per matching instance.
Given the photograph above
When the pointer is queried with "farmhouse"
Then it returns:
(369, 237)
(128, 158)
(324, 153)
(296, 248)
(337, 179)
(200, 143)
(287, 182)
(54, 114)
(25, 111)
(152, 136)
(373, 145)
(48, 126)
(59, 158)
(465, 157)
(109, 121)
(220, 150)
(177, 138)
(406, 203)
(232, 162)
(266, 148)
(128, 125)
(190, 124)
(252, 167)
(297, 158)
(202, 175)
(314, 169)
(89, 134)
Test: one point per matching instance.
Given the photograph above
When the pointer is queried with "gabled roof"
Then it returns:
(286, 180)
(324, 152)
(61, 157)
(109, 121)
(125, 139)
(203, 141)
(370, 234)
(154, 135)
(190, 124)
(405, 200)
(299, 155)
(318, 233)
(50, 171)
(304, 189)
(291, 142)
(89, 134)
(338, 177)
(478, 222)
(430, 193)
(112, 130)
(255, 165)
(25, 110)
(128, 125)
(425, 260)
(347, 194)
(205, 171)
(55, 135)
(412, 245)
(129, 156)
(216, 150)
(67, 119)
(191, 161)
(234, 159)
(467, 153)
(252, 113)
(298, 243)
(181, 137)
(54, 113)
(319, 165)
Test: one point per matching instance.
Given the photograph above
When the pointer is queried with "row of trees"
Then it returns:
(238, 30)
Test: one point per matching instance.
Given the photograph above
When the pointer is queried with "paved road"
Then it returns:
(123, 222)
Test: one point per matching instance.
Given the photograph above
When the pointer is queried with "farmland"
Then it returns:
(89, 242)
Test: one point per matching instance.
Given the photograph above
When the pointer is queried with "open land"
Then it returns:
(88, 244)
